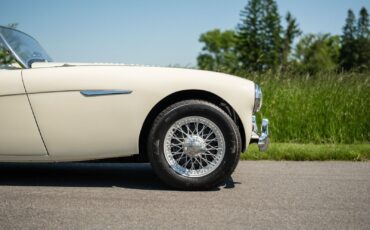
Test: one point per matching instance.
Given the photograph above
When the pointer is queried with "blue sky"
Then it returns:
(153, 32)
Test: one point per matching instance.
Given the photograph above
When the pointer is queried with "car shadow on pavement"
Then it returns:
(125, 175)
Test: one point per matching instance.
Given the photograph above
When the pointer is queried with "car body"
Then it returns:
(58, 112)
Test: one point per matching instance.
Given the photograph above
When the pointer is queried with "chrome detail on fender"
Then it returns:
(91, 93)
(261, 139)
(257, 98)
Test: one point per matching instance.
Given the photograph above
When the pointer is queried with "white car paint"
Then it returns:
(19, 135)
(61, 124)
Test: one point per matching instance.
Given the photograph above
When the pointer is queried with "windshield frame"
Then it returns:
(14, 53)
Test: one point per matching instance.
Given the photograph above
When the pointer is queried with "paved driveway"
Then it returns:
(262, 195)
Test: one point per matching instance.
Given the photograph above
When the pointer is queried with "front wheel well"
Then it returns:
(181, 96)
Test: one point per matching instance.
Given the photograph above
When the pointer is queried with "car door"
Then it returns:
(19, 134)
(76, 126)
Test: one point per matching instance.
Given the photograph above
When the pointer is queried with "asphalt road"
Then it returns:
(262, 195)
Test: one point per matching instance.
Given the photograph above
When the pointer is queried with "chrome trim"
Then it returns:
(254, 124)
(262, 139)
(92, 93)
(257, 98)
(194, 146)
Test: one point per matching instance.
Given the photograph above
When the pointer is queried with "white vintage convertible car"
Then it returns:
(191, 125)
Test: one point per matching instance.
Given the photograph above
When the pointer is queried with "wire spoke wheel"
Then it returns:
(194, 146)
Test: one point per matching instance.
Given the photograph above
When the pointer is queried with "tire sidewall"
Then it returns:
(159, 131)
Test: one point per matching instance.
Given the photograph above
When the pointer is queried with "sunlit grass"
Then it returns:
(324, 108)
(310, 152)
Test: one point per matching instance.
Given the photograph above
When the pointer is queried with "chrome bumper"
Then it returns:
(261, 139)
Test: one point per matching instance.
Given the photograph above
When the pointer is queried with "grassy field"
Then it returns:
(315, 117)
(310, 152)
(324, 108)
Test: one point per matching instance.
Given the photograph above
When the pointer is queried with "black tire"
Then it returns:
(189, 108)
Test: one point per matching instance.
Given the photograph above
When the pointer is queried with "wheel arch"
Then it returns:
(181, 96)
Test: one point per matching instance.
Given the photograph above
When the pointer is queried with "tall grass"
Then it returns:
(321, 108)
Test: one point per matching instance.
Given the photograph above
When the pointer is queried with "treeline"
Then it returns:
(260, 43)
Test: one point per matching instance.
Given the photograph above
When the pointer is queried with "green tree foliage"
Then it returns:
(363, 41)
(347, 55)
(355, 51)
(5, 57)
(218, 52)
(349, 29)
(271, 34)
(250, 49)
(315, 53)
(259, 36)
(363, 25)
(260, 43)
(290, 33)
(363, 52)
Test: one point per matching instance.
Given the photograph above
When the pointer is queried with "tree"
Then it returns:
(362, 48)
(348, 55)
(260, 43)
(315, 53)
(355, 50)
(349, 29)
(218, 52)
(290, 33)
(5, 57)
(271, 34)
(363, 41)
(363, 25)
(249, 40)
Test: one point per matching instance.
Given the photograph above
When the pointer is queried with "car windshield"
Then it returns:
(25, 49)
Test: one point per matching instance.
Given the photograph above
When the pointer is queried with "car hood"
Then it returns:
(184, 73)
(67, 64)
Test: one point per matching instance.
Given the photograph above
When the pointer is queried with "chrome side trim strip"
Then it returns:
(92, 93)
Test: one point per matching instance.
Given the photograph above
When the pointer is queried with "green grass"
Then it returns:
(323, 108)
(310, 152)
(315, 117)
